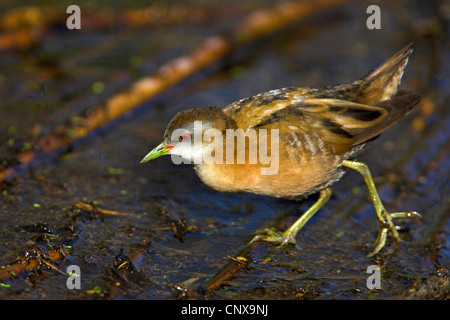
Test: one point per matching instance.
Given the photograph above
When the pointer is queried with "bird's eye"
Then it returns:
(184, 137)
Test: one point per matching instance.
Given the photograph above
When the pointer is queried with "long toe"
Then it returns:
(389, 225)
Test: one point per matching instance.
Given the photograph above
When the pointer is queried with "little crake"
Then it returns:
(319, 132)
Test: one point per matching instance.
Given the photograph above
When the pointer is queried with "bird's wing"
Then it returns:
(339, 116)
(361, 121)
(336, 123)
(250, 111)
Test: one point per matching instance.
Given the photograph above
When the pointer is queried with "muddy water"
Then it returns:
(66, 72)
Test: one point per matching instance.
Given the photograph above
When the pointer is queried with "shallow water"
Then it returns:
(66, 72)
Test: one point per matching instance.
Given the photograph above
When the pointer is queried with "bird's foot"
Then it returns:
(387, 225)
(280, 238)
(288, 236)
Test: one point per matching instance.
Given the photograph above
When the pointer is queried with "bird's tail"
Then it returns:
(381, 84)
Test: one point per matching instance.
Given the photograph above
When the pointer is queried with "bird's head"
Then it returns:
(190, 131)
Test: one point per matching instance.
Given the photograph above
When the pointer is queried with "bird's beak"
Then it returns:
(159, 151)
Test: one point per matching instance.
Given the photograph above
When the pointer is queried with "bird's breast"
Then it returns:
(293, 178)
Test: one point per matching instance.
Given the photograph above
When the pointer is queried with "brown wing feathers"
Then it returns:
(354, 113)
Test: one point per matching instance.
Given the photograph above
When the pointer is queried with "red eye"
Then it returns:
(184, 137)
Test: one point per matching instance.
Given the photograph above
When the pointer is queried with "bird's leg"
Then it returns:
(384, 217)
(289, 235)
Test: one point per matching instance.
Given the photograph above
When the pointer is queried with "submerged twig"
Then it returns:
(241, 261)
(91, 208)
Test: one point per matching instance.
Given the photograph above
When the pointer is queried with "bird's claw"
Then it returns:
(387, 225)
(280, 238)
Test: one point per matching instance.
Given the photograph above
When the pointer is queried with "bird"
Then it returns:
(315, 135)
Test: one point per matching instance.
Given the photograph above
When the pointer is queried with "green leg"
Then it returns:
(289, 235)
(384, 217)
